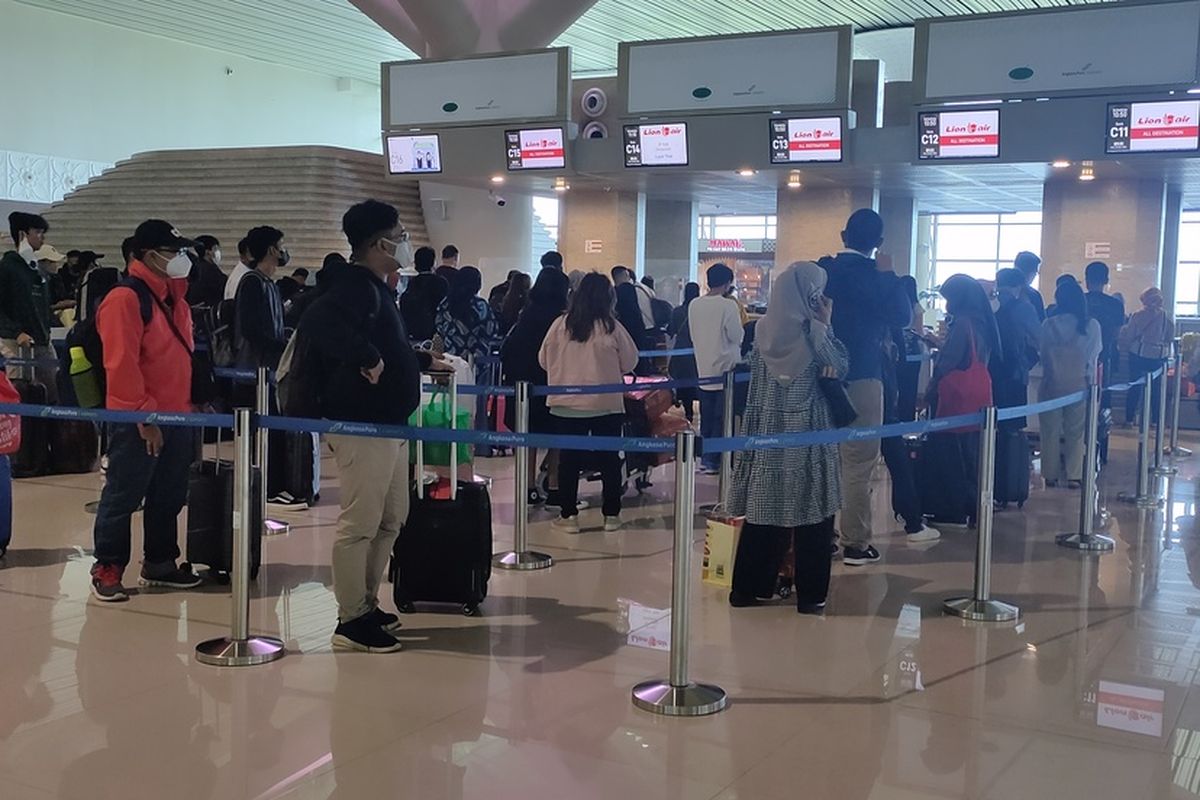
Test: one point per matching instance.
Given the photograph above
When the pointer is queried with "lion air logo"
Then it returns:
(973, 127)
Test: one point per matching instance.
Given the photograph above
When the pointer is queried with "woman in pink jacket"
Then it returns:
(586, 347)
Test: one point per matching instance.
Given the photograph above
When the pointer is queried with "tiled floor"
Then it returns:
(1091, 696)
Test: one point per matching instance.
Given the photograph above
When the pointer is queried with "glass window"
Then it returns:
(1187, 289)
(980, 244)
(967, 242)
(980, 270)
(1015, 238)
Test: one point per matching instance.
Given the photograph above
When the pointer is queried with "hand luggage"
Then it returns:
(74, 447)
(294, 465)
(1013, 468)
(941, 479)
(5, 505)
(210, 517)
(33, 458)
(444, 551)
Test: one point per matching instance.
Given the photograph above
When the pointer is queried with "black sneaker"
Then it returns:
(106, 584)
(169, 576)
(389, 622)
(856, 557)
(285, 502)
(811, 609)
(364, 635)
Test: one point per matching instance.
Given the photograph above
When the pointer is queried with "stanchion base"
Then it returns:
(522, 561)
(1091, 542)
(1164, 471)
(239, 653)
(693, 700)
(981, 610)
(273, 527)
(1180, 452)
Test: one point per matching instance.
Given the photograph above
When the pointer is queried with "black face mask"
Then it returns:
(284, 257)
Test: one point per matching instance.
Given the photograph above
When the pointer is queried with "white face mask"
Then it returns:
(25, 250)
(404, 253)
(216, 257)
(179, 266)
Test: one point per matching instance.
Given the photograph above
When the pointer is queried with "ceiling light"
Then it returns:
(561, 185)
(747, 172)
(1060, 163)
(497, 179)
(794, 181)
(1087, 174)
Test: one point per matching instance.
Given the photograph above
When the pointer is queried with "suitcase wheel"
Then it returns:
(406, 607)
(470, 610)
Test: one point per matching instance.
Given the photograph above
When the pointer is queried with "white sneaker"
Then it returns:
(926, 534)
(612, 524)
(566, 524)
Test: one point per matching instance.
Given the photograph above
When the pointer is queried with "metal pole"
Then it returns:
(677, 696)
(240, 649)
(262, 405)
(1084, 539)
(981, 607)
(1176, 450)
(725, 478)
(1142, 498)
(1161, 469)
(521, 557)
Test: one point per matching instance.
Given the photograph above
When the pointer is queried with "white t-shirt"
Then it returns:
(235, 278)
(644, 295)
(716, 327)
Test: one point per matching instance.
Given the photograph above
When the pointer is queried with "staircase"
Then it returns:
(303, 191)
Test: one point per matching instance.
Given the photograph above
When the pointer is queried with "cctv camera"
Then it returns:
(498, 199)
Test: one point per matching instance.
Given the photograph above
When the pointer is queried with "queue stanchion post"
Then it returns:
(1162, 468)
(677, 696)
(262, 405)
(1176, 450)
(240, 649)
(521, 557)
(980, 607)
(1142, 498)
(1085, 538)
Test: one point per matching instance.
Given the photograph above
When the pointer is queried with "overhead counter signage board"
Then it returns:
(958, 134)
(775, 70)
(535, 148)
(1079, 50)
(507, 87)
(797, 141)
(414, 155)
(659, 145)
(1166, 127)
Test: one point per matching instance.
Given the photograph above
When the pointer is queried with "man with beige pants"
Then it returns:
(352, 351)
(868, 301)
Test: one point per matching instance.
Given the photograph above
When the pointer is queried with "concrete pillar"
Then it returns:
(672, 247)
(1170, 250)
(611, 224)
(491, 238)
(900, 232)
(866, 94)
(810, 221)
(1122, 217)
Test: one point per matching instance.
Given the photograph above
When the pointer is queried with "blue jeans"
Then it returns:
(134, 475)
(712, 421)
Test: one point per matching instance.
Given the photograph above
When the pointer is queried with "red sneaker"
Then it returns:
(106, 584)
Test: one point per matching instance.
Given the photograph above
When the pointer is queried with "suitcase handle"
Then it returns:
(452, 390)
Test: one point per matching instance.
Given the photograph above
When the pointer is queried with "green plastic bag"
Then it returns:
(436, 414)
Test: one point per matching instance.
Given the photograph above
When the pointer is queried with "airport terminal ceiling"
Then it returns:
(334, 38)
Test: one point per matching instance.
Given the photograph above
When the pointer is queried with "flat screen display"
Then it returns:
(796, 141)
(958, 134)
(409, 155)
(656, 145)
(535, 148)
(1167, 127)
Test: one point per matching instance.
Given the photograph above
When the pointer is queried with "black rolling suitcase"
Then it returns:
(1013, 468)
(33, 459)
(293, 465)
(74, 447)
(444, 551)
(210, 517)
(941, 482)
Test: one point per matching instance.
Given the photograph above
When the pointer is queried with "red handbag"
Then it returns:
(965, 391)
(10, 424)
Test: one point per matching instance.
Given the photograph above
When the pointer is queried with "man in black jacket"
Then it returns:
(258, 332)
(206, 281)
(25, 316)
(366, 371)
(868, 302)
(425, 290)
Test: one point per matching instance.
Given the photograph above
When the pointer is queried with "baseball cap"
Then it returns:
(158, 234)
(47, 253)
(89, 256)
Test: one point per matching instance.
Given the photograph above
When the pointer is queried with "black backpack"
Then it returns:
(85, 334)
(661, 310)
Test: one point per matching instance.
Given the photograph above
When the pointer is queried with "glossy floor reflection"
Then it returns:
(1091, 696)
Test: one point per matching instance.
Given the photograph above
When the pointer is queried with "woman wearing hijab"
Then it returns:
(972, 339)
(1069, 347)
(465, 322)
(519, 357)
(794, 492)
(1147, 339)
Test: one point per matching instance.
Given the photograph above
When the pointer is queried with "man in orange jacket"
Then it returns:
(148, 368)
